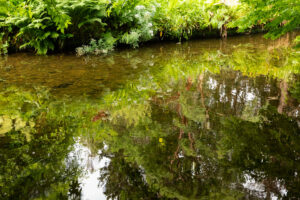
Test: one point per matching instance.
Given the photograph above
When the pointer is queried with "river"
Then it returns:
(203, 119)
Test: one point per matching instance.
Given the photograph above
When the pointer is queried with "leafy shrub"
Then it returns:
(127, 22)
(39, 25)
(276, 17)
(3, 45)
(45, 25)
(87, 20)
(102, 46)
(142, 29)
(177, 19)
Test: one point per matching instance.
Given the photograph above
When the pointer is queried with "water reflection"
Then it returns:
(37, 133)
(91, 164)
(197, 121)
(208, 140)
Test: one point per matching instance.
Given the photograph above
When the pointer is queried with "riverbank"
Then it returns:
(97, 27)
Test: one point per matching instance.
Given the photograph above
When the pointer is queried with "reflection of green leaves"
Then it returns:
(295, 90)
(127, 106)
(39, 131)
(20, 109)
(5, 124)
(279, 63)
(274, 136)
(19, 124)
(199, 122)
(130, 114)
(8, 124)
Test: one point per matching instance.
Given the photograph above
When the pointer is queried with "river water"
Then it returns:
(204, 119)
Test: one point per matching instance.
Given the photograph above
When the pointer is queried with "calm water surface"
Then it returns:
(210, 119)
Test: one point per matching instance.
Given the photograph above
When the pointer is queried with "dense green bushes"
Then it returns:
(277, 17)
(180, 19)
(99, 25)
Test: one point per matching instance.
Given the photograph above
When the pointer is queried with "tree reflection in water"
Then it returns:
(196, 131)
(209, 125)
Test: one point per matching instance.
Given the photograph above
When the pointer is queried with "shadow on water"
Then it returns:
(205, 119)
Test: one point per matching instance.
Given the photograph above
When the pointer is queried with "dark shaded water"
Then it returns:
(205, 119)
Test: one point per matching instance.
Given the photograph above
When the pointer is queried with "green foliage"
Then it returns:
(277, 17)
(3, 45)
(87, 20)
(45, 25)
(297, 42)
(40, 24)
(134, 21)
(19, 111)
(295, 90)
(177, 19)
(36, 132)
(103, 46)
(29, 139)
